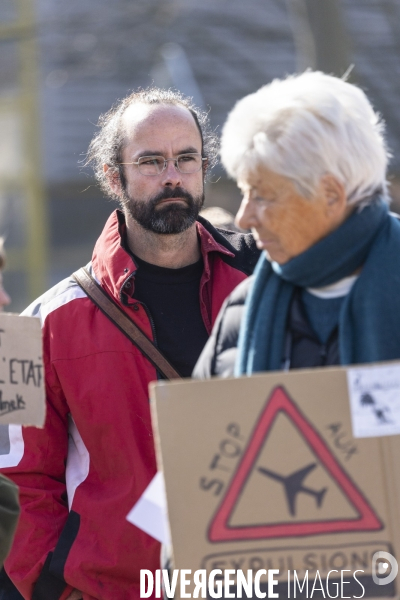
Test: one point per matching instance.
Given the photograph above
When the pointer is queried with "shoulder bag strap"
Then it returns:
(96, 293)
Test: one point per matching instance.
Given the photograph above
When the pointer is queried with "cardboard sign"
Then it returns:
(263, 472)
(22, 397)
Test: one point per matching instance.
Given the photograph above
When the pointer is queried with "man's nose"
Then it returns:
(246, 218)
(171, 176)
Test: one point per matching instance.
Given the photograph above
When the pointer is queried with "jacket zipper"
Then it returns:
(323, 353)
(153, 328)
(325, 347)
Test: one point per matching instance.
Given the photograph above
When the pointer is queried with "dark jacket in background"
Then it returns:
(9, 513)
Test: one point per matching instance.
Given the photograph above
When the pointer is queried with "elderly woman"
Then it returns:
(309, 156)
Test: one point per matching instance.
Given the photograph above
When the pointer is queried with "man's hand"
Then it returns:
(75, 595)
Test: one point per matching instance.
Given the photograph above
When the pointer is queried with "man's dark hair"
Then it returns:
(107, 145)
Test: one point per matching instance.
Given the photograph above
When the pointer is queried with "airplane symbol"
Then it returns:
(293, 485)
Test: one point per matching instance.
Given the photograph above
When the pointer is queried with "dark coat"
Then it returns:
(9, 513)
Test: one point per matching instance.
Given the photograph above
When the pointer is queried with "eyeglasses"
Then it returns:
(155, 165)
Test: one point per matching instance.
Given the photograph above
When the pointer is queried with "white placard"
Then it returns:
(22, 396)
(150, 511)
(374, 393)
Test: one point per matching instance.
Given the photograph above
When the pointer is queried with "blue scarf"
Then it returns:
(369, 322)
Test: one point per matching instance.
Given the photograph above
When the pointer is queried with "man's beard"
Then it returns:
(169, 218)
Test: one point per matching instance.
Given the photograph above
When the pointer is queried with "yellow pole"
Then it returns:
(36, 215)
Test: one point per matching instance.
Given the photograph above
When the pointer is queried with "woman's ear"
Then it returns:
(335, 195)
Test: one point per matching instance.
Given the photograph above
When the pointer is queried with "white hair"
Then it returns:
(304, 127)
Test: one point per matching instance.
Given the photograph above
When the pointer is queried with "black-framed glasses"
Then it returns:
(155, 165)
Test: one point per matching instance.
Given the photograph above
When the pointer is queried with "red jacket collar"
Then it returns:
(113, 266)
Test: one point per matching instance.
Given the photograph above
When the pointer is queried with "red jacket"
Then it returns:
(80, 476)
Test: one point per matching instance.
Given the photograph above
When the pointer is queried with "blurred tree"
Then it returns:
(320, 35)
(20, 173)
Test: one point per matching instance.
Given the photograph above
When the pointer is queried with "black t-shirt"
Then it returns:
(171, 297)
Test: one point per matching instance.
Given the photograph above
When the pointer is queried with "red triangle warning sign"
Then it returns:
(279, 403)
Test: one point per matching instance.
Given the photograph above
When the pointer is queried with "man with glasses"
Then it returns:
(169, 271)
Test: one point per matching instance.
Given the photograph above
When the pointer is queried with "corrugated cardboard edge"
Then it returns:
(166, 553)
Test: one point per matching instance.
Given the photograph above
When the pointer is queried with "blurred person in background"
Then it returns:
(169, 271)
(219, 217)
(9, 513)
(9, 505)
(309, 155)
(4, 297)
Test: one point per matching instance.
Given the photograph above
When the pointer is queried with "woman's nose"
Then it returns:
(245, 218)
